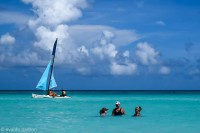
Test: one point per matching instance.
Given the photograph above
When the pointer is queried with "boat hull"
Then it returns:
(47, 96)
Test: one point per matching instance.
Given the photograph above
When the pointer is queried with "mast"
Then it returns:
(51, 67)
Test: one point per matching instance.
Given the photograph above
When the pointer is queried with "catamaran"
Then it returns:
(47, 80)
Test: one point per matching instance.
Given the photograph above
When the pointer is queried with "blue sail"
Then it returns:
(42, 84)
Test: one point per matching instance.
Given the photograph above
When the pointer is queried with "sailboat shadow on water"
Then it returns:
(47, 80)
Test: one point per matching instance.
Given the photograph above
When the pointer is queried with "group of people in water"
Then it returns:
(118, 111)
(54, 94)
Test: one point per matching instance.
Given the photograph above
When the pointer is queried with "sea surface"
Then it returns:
(162, 112)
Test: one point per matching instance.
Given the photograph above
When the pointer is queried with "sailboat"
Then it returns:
(47, 80)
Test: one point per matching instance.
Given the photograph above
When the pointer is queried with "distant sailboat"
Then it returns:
(47, 80)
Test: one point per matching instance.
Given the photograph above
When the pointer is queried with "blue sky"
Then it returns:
(102, 44)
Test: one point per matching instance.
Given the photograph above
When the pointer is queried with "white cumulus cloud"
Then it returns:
(123, 69)
(108, 34)
(7, 39)
(50, 22)
(55, 12)
(105, 51)
(164, 70)
(84, 50)
(126, 53)
(146, 54)
(89, 34)
(105, 48)
(47, 36)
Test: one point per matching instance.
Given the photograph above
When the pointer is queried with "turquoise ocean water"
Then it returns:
(163, 112)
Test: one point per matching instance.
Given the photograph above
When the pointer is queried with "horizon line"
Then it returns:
(105, 90)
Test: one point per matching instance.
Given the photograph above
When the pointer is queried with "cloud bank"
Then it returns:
(77, 49)
(86, 49)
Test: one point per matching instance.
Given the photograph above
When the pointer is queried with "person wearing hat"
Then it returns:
(103, 111)
(118, 110)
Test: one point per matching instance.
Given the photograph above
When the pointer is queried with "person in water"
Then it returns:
(63, 93)
(118, 110)
(137, 111)
(103, 111)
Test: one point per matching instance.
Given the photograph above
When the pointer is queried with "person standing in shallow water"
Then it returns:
(137, 111)
(103, 111)
(118, 111)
